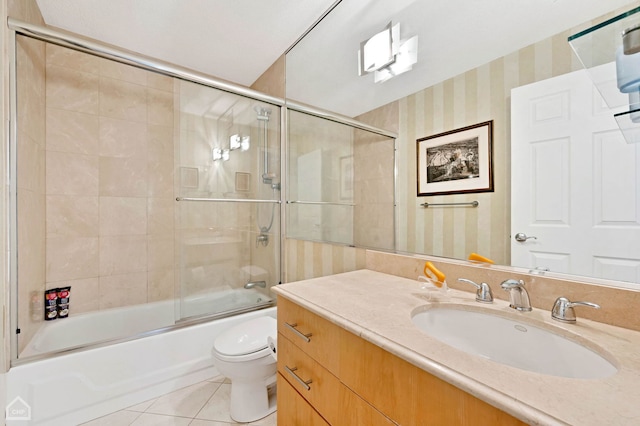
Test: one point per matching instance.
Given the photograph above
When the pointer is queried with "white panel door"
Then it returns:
(575, 182)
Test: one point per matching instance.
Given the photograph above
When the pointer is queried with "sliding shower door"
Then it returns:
(340, 183)
(228, 215)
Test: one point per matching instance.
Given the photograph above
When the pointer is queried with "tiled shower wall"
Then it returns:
(109, 173)
(31, 185)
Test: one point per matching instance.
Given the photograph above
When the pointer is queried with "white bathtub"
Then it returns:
(87, 328)
(80, 386)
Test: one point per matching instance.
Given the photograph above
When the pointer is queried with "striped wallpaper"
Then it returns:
(478, 95)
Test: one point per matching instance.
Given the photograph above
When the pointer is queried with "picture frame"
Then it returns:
(456, 162)
(346, 177)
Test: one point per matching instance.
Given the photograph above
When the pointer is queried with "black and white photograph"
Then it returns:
(454, 162)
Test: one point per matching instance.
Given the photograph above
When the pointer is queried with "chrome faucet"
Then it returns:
(563, 309)
(518, 295)
(483, 293)
(253, 284)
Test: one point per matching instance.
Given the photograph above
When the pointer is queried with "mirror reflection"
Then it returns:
(464, 79)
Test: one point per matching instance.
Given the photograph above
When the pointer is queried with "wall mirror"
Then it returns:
(469, 58)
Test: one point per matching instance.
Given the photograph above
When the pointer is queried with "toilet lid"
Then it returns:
(250, 336)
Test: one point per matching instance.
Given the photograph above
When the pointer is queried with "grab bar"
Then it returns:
(470, 203)
(228, 200)
(320, 203)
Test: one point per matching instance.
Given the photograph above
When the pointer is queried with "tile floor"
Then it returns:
(202, 404)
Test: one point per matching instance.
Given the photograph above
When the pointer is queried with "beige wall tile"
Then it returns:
(161, 284)
(122, 138)
(160, 82)
(31, 234)
(123, 290)
(123, 216)
(160, 178)
(71, 131)
(159, 107)
(71, 174)
(123, 254)
(70, 257)
(160, 252)
(123, 100)
(72, 90)
(72, 215)
(123, 177)
(160, 216)
(30, 87)
(160, 144)
(68, 58)
(118, 71)
(31, 163)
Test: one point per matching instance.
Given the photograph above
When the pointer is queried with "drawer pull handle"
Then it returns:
(295, 376)
(303, 336)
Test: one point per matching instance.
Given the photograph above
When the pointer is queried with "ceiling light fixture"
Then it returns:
(386, 55)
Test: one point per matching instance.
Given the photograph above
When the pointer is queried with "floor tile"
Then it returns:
(200, 422)
(217, 408)
(119, 418)
(270, 420)
(147, 419)
(185, 402)
(142, 407)
(217, 379)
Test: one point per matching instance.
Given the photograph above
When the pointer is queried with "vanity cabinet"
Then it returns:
(346, 380)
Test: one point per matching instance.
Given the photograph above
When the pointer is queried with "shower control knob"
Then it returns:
(522, 237)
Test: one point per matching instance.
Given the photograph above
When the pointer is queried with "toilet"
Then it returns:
(242, 354)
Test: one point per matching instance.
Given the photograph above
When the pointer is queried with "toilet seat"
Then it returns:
(264, 352)
(245, 341)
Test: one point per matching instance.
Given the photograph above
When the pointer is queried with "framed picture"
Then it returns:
(456, 162)
(346, 177)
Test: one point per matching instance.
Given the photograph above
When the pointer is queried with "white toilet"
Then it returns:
(242, 354)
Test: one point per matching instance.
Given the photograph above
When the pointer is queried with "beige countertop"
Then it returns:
(378, 308)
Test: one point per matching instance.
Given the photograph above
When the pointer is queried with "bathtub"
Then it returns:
(80, 386)
(89, 328)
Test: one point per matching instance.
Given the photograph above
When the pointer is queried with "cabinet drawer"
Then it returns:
(313, 382)
(316, 336)
(334, 401)
(293, 409)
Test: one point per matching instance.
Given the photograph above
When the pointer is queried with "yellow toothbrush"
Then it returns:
(436, 276)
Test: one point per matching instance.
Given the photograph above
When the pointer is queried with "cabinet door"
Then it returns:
(293, 410)
(409, 395)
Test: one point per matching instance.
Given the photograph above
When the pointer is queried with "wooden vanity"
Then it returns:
(329, 376)
(349, 354)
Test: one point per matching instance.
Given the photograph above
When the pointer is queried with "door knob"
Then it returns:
(522, 237)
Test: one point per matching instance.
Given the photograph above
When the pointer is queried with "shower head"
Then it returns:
(263, 113)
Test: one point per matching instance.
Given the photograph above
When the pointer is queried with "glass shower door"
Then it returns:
(228, 215)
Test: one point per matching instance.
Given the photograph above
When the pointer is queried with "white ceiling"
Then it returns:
(454, 36)
(237, 40)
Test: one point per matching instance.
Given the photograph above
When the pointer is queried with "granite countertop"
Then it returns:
(378, 308)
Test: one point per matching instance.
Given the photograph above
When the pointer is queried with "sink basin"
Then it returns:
(514, 343)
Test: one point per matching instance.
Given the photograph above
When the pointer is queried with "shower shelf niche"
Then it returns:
(597, 47)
